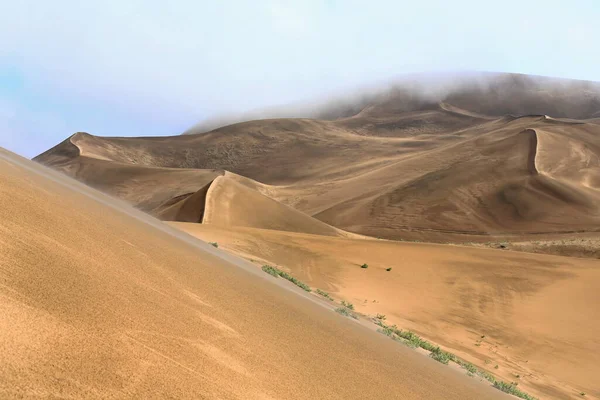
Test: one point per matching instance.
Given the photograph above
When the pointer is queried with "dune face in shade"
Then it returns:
(100, 301)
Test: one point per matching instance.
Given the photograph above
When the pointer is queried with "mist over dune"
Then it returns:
(485, 92)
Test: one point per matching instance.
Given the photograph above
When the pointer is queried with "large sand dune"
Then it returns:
(101, 301)
(395, 169)
(535, 316)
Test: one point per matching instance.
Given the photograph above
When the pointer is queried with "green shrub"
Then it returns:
(324, 294)
(487, 376)
(349, 306)
(365, 266)
(346, 312)
(277, 272)
(214, 244)
(511, 388)
(271, 270)
(440, 356)
(381, 317)
(388, 269)
(470, 367)
(386, 331)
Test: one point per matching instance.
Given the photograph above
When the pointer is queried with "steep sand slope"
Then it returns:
(98, 300)
(534, 316)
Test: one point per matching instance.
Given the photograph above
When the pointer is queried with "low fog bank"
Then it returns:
(489, 93)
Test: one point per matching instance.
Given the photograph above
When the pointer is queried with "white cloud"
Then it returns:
(172, 63)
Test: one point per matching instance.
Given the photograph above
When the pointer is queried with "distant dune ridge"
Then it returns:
(493, 155)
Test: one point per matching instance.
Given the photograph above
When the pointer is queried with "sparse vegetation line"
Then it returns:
(408, 338)
(324, 294)
(413, 340)
(276, 272)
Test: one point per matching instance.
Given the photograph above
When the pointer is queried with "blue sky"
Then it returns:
(133, 68)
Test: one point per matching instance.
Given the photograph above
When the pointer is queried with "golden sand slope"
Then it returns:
(535, 316)
(98, 300)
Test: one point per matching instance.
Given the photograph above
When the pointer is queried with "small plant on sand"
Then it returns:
(582, 394)
(324, 294)
(469, 367)
(442, 356)
(276, 272)
(214, 244)
(388, 269)
(346, 312)
(271, 270)
(381, 317)
(365, 266)
(413, 340)
(511, 388)
(348, 305)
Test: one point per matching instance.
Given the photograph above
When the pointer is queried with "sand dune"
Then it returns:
(442, 172)
(484, 185)
(535, 316)
(101, 301)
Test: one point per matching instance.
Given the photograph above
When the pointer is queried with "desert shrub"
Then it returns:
(324, 294)
(470, 367)
(277, 272)
(271, 270)
(441, 356)
(214, 244)
(348, 305)
(511, 388)
(346, 312)
(365, 266)
(388, 269)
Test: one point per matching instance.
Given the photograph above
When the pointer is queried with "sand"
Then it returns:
(99, 300)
